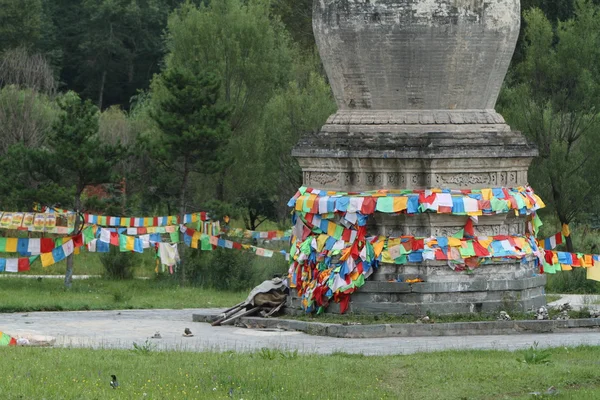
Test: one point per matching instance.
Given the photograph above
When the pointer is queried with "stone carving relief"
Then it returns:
(374, 179)
(502, 178)
(352, 178)
(464, 179)
(316, 179)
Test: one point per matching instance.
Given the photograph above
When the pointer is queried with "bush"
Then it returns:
(574, 281)
(226, 269)
(117, 264)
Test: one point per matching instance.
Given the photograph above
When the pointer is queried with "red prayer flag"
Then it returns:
(23, 264)
(368, 206)
(46, 245)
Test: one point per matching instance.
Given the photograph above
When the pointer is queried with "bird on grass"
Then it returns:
(113, 382)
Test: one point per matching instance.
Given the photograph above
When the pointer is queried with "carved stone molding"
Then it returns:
(465, 180)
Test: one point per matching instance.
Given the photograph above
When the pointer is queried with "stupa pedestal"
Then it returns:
(416, 82)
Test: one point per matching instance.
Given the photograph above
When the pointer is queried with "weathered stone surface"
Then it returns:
(416, 82)
(427, 330)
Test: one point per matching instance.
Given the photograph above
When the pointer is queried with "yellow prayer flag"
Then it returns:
(47, 259)
(400, 203)
(385, 257)
(130, 244)
(321, 242)
(308, 205)
(566, 267)
(11, 245)
(539, 201)
(195, 239)
(331, 228)
(588, 261)
(487, 194)
(454, 242)
(485, 243)
(378, 246)
(593, 273)
(566, 231)
(300, 202)
(76, 251)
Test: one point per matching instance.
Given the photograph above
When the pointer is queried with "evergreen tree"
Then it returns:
(75, 157)
(194, 128)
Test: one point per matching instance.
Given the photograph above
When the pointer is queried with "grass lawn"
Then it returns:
(89, 264)
(21, 294)
(36, 373)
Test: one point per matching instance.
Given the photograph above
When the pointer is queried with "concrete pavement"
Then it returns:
(120, 329)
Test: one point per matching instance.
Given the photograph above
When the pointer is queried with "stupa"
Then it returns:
(416, 83)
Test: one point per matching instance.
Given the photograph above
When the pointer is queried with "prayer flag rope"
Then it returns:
(248, 234)
(59, 223)
(551, 242)
(457, 202)
(108, 221)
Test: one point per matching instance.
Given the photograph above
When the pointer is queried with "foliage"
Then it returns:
(553, 99)
(25, 70)
(144, 348)
(26, 117)
(535, 355)
(117, 264)
(85, 373)
(75, 155)
(20, 23)
(231, 270)
(251, 53)
(105, 49)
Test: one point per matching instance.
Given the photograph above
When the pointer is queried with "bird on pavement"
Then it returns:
(113, 382)
(187, 332)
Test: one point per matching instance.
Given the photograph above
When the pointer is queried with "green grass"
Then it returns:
(36, 373)
(89, 264)
(21, 294)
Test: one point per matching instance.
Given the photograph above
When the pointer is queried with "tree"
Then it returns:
(554, 99)
(75, 157)
(247, 50)
(194, 126)
(20, 23)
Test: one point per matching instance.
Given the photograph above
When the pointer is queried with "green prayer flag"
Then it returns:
(400, 260)
(123, 243)
(339, 231)
(385, 204)
(460, 235)
(498, 205)
(88, 235)
(174, 237)
(205, 243)
(2, 245)
(305, 246)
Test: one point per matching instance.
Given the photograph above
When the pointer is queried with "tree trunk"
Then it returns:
(69, 271)
(101, 94)
(569, 243)
(181, 218)
(568, 240)
(221, 186)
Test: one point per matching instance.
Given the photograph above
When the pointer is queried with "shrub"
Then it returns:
(226, 269)
(117, 264)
